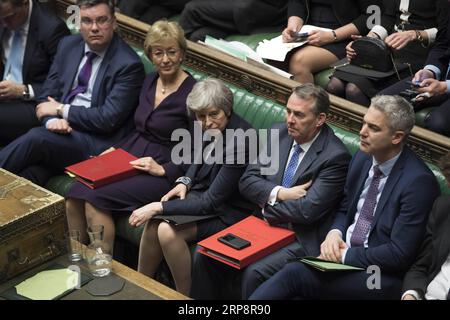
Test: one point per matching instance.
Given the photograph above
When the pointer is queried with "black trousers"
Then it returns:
(150, 11)
(439, 119)
(16, 118)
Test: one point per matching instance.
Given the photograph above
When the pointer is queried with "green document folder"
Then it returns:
(327, 266)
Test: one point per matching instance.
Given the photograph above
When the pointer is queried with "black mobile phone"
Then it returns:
(408, 94)
(415, 84)
(300, 36)
(234, 241)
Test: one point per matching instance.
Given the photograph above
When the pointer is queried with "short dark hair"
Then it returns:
(444, 165)
(92, 3)
(321, 97)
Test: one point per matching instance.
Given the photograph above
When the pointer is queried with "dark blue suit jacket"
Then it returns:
(44, 33)
(401, 213)
(115, 93)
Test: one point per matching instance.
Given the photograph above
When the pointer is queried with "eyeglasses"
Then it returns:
(100, 21)
(171, 53)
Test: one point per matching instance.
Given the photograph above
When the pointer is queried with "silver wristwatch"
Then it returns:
(184, 180)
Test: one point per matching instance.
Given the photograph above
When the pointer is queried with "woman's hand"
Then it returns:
(179, 191)
(319, 38)
(149, 165)
(294, 25)
(107, 151)
(399, 40)
(351, 53)
(141, 215)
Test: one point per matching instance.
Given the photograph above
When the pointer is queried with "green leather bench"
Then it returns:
(260, 112)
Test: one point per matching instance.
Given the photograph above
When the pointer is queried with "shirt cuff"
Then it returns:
(414, 293)
(50, 121)
(65, 112)
(30, 91)
(335, 230)
(431, 33)
(381, 31)
(435, 69)
(273, 195)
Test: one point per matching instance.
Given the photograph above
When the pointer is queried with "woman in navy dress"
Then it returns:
(161, 110)
(208, 188)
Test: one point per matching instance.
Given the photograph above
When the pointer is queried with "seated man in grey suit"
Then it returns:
(29, 36)
(87, 101)
(312, 166)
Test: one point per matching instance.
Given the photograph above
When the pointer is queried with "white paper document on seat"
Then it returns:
(276, 49)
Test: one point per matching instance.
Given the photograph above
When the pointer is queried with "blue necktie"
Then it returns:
(365, 218)
(83, 77)
(15, 58)
(289, 173)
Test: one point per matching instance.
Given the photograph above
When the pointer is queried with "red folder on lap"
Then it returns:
(264, 240)
(107, 168)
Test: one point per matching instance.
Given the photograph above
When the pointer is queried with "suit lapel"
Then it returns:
(359, 188)
(2, 34)
(392, 180)
(31, 43)
(72, 68)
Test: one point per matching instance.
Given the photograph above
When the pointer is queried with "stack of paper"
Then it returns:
(47, 285)
(276, 49)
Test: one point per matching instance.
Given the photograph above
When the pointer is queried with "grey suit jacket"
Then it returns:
(326, 162)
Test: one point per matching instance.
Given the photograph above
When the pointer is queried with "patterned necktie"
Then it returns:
(15, 58)
(83, 77)
(289, 173)
(366, 215)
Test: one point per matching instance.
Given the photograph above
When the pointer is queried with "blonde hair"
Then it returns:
(164, 30)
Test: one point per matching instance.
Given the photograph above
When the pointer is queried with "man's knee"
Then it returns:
(438, 122)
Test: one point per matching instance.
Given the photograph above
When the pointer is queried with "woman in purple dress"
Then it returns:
(161, 110)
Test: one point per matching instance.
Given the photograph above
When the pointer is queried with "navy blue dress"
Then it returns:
(151, 138)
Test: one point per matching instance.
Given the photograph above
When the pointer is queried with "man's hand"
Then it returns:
(423, 74)
(179, 191)
(293, 193)
(433, 87)
(107, 151)
(332, 247)
(60, 126)
(141, 215)
(399, 40)
(11, 90)
(48, 108)
(148, 164)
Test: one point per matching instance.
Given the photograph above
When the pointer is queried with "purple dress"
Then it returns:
(151, 138)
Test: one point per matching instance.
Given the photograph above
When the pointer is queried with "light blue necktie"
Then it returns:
(15, 58)
(289, 173)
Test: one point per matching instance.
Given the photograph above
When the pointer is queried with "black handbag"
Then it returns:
(373, 54)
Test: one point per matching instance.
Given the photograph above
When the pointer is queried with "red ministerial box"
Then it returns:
(104, 169)
(264, 240)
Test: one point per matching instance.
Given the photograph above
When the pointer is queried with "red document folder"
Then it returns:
(107, 168)
(264, 239)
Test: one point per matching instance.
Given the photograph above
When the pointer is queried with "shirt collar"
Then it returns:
(386, 167)
(100, 54)
(305, 146)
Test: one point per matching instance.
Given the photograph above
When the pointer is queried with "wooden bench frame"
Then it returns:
(344, 114)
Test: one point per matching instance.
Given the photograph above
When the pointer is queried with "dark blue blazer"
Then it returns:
(401, 213)
(115, 93)
(44, 33)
